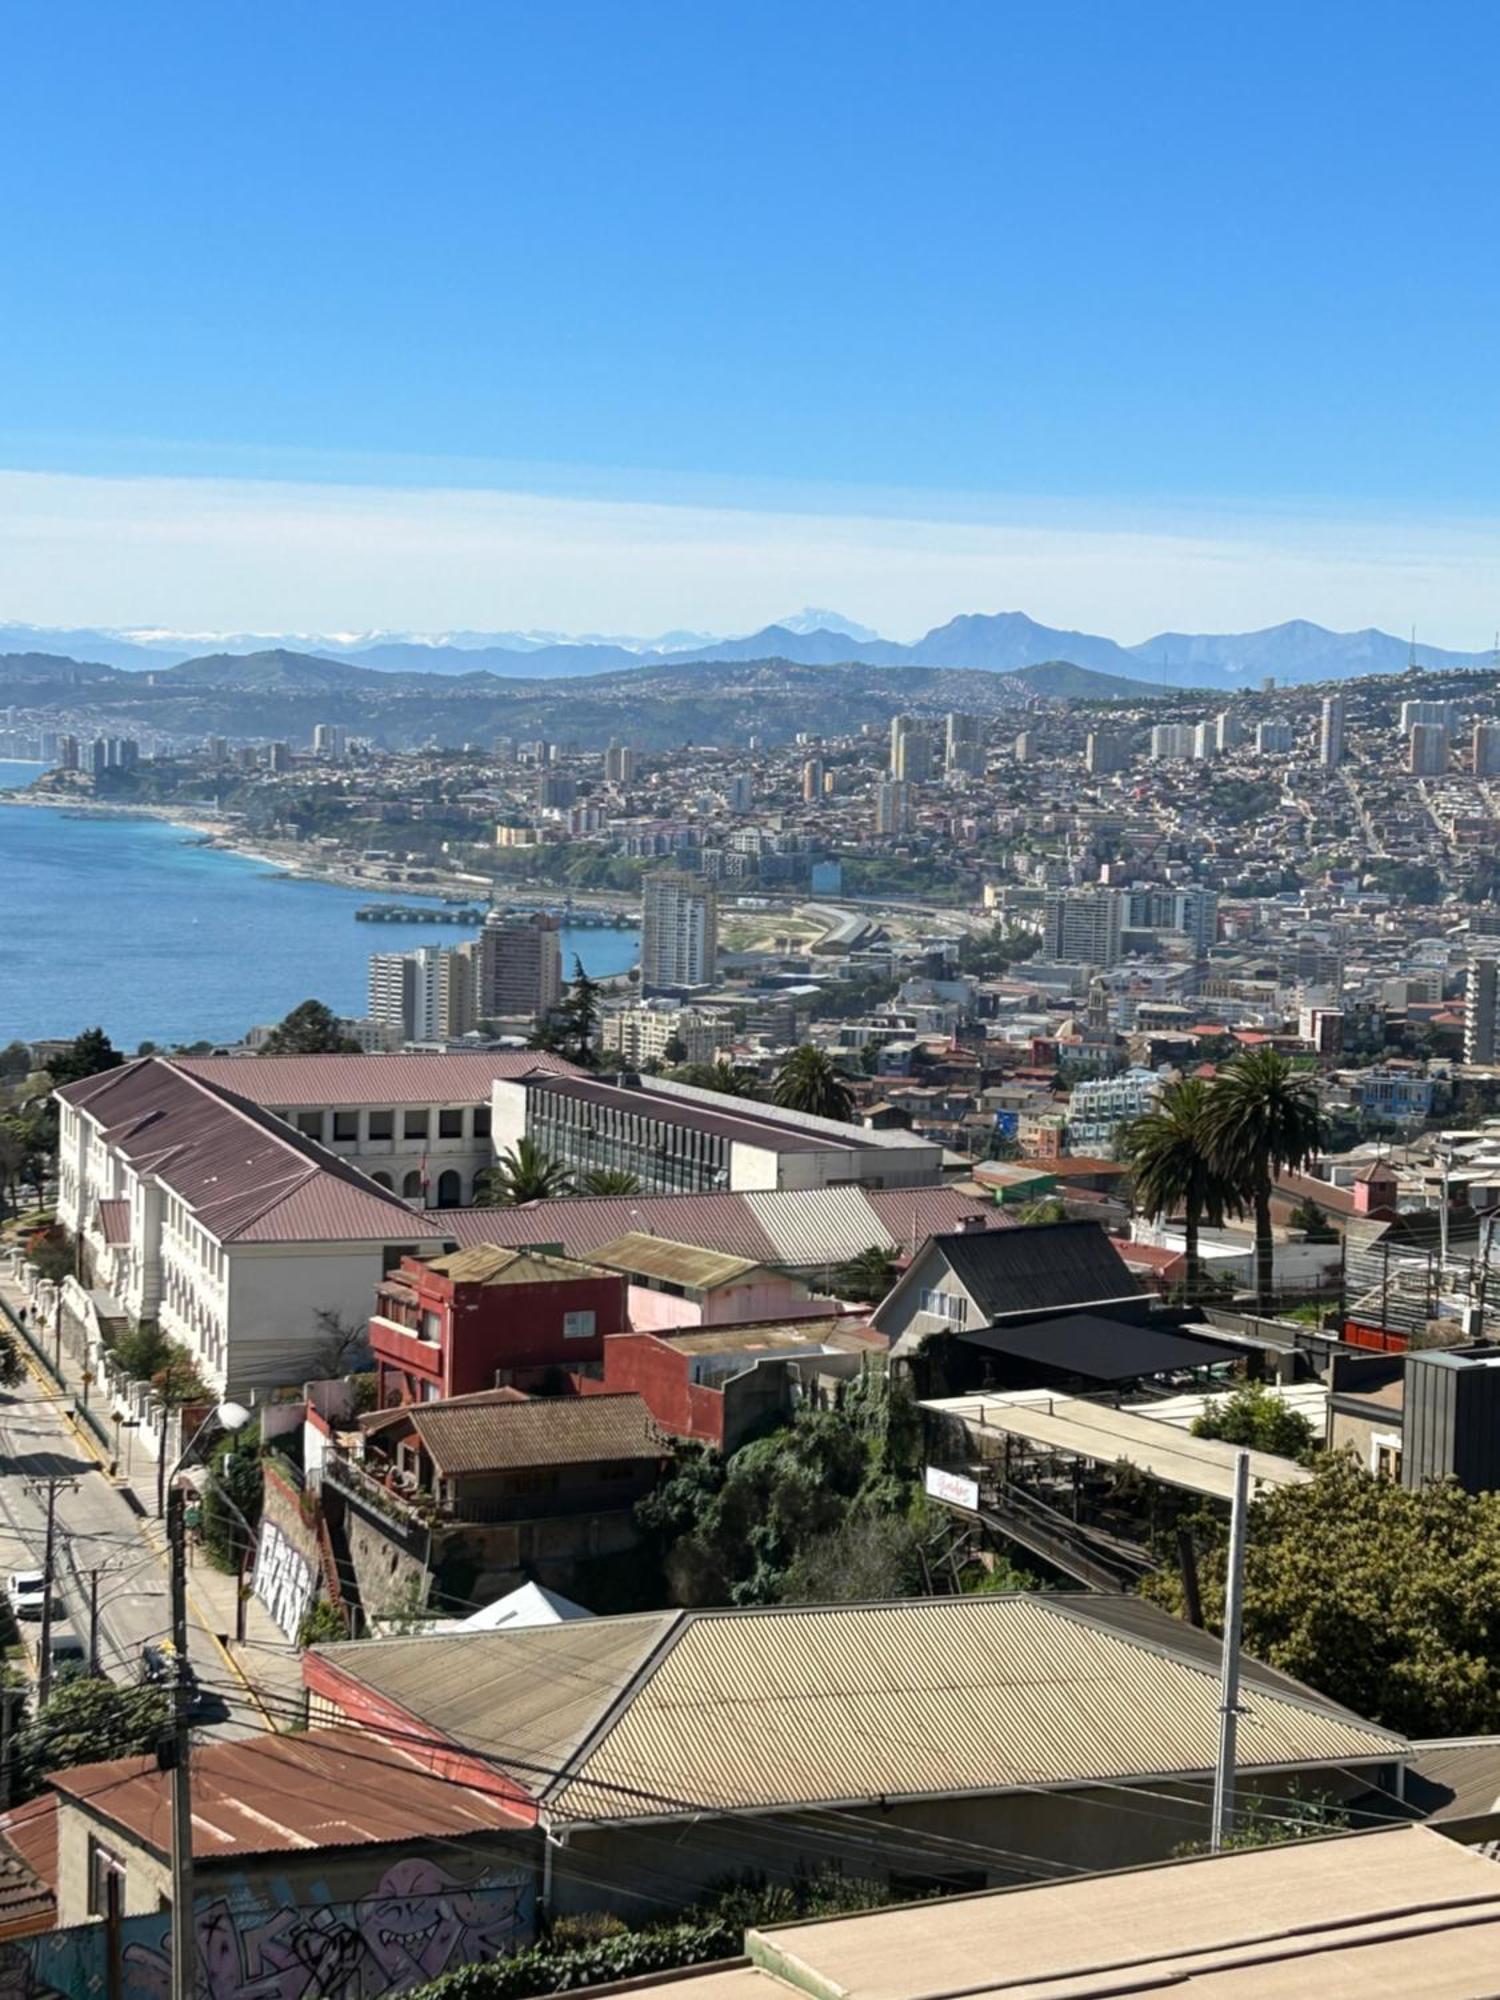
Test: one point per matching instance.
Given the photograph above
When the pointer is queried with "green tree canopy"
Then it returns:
(1256, 1417)
(311, 1029)
(1261, 1118)
(524, 1172)
(609, 1180)
(88, 1054)
(1175, 1170)
(1382, 1598)
(807, 1080)
(88, 1721)
(867, 1277)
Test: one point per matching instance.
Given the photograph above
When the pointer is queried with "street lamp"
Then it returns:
(228, 1417)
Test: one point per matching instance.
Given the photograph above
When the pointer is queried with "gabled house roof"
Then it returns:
(669, 1715)
(1014, 1274)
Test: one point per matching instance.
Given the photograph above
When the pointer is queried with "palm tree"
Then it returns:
(524, 1173)
(1175, 1171)
(1261, 1119)
(867, 1277)
(806, 1080)
(609, 1180)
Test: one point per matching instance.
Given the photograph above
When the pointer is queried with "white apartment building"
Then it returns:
(1082, 926)
(1098, 1107)
(679, 932)
(644, 1033)
(196, 1210)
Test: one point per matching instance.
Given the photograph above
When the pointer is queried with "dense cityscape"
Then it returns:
(719, 1301)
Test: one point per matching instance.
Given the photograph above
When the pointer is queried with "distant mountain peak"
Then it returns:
(811, 619)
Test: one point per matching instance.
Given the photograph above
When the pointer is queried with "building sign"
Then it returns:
(952, 1488)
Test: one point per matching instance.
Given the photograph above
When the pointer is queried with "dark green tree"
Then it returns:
(1256, 1417)
(1175, 1171)
(1261, 1119)
(311, 1029)
(88, 1054)
(90, 1720)
(807, 1080)
(609, 1180)
(867, 1277)
(524, 1172)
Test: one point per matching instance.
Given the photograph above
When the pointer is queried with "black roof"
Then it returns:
(1011, 1272)
(1104, 1350)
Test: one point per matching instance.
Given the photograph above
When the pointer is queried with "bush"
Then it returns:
(51, 1250)
(544, 1969)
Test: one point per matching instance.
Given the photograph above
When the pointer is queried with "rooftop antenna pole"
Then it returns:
(1229, 1678)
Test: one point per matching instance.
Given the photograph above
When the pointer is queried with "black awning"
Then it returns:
(1104, 1350)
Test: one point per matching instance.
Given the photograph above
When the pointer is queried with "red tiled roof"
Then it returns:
(245, 1175)
(371, 1080)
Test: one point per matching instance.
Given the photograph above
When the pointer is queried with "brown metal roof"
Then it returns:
(493, 1264)
(480, 1433)
(275, 1794)
(739, 1710)
(377, 1080)
(246, 1175)
(28, 1865)
(643, 1256)
(114, 1220)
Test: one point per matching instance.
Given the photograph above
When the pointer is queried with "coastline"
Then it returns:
(294, 864)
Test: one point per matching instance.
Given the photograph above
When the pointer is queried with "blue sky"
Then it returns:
(1183, 277)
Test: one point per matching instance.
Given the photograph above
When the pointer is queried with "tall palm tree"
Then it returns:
(1261, 1119)
(1175, 1171)
(806, 1080)
(524, 1173)
(867, 1276)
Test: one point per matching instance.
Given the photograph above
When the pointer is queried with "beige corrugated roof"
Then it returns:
(643, 1256)
(726, 1710)
(1400, 1912)
(493, 1264)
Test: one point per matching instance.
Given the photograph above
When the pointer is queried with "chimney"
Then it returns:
(972, 1224)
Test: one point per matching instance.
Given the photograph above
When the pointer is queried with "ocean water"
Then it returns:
(130, 925)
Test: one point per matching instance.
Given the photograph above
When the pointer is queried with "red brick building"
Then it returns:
(488, 1317)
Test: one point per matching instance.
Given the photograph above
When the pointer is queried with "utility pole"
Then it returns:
(184, 1945)
(1229, 1698)
(94, 1623)
(8, 1696)
(44, 1664)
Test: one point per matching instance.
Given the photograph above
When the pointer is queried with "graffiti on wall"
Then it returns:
(417, 1921)
(284, 1579)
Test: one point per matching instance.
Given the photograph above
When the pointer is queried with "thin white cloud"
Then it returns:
(227, 554)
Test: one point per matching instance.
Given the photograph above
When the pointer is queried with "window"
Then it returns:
(578, 1326)
(105, 1869)
(482, 1122)
(943, 1305)
(450, 1124)
(432, 1326)
(346, 1125)
(414, 1125)
(310, 1124)
(382, 1124)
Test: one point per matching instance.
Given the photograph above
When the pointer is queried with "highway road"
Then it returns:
(97, 1529)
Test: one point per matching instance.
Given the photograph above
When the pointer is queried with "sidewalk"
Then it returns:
(266, 1664)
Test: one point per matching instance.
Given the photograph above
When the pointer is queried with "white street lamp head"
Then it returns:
(232, 1416)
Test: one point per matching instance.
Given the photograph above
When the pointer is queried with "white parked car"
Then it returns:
(26, 1590)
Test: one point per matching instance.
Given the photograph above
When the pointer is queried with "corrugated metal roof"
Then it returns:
(246, 1176)
(797, 1229)
(472, 1434)
(492, 1264)
(934, 1696)
(275, 1794)
(527, 1699)
(1095, 1431)
(376, 1080)
(643, 1256)
(114, 1220)
(726, 1710)
(28, 1864)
